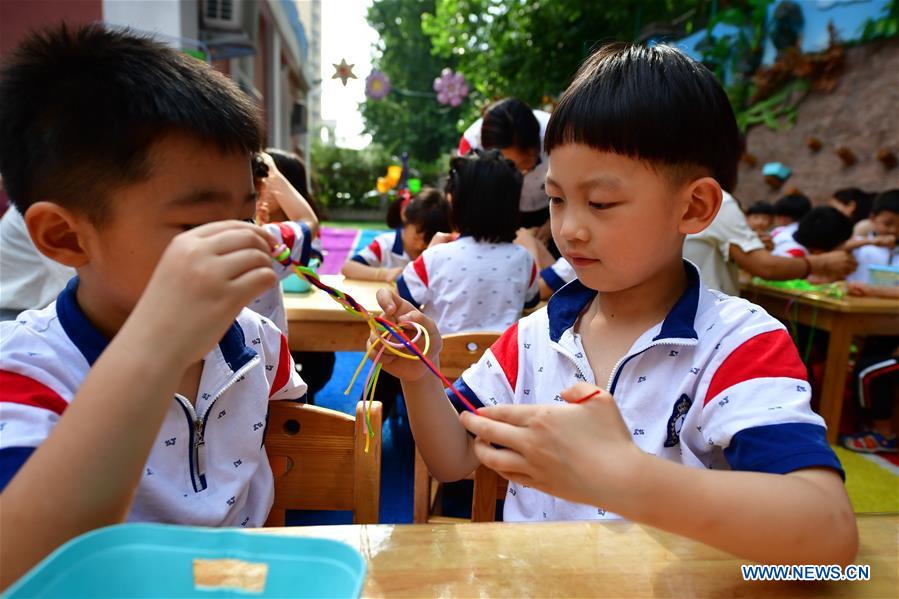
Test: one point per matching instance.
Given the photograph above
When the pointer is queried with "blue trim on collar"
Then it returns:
(91, 342)
(398, 248)
(565, 306)
(568, 302)
(679, 322)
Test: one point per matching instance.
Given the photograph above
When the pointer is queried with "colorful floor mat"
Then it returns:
(871, 481)
(339, 244)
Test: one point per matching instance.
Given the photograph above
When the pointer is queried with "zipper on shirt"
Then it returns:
(619, 366)
(197, 426)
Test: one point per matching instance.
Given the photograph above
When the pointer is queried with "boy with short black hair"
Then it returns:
(823, 229)
(637, 390)
(141, 394)
(760, 217)
(880, 244)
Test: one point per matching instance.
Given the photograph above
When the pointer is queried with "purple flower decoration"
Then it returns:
(450, 87)
(377, 85)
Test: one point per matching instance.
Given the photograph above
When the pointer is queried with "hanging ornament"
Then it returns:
(377, 85)
(343, 71)
(450, 87)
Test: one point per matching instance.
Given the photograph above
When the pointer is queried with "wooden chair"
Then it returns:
(319, 463)
(460, 350)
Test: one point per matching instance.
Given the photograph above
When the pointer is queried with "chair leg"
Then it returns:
(421, 491)
(483, 503)
(276, 518)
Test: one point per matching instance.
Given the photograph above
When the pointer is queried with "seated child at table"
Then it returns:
(638, 392)
(880, 243)
(482, 280)
(286, 215)
(384, 258)
(760, 216)
(315, 367)
(788, 211)
(141, 393)
(553, 273)
(821, 230)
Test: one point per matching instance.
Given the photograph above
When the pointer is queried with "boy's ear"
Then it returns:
(54, 230)
(704, 199)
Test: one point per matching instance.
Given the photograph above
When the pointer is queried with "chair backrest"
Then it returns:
(319, 461)
(488, 488)
(460, 350)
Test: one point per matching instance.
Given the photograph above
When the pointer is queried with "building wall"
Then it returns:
(18, 17)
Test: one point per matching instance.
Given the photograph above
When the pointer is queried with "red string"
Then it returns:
(586, 397)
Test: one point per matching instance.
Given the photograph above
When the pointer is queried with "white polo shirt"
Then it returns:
(788, 247)
(298, 238)
(868, 255)
(468, 285)
(558, 274)
(385, 251)
(717, 384)
(207, 466)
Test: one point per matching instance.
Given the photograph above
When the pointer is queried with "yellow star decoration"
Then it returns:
(343, 71)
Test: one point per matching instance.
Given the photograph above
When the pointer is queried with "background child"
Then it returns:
(880, 242)
(315, 367)
(482, 281)
(553, 273)
(856, 204)
(821, 230)
(637, 390)
(383, 260)
(760, 217)
(788, 211)
(136, 395)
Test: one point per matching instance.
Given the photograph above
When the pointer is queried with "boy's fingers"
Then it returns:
(500, 460)
(517, 415)
(386, 300)
(581, 392)
(493, 431)
(232, 240)
(251, 284)
(236, 263)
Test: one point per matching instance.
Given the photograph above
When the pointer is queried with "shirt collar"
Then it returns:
(565, 306)
(91, 342)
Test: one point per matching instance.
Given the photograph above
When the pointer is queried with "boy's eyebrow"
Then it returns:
(205, 197)
(603, 181)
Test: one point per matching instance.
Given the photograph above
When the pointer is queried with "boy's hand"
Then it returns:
(835, 265)
(202, 281)
(398, 310)
(582, 452)
(886, 241)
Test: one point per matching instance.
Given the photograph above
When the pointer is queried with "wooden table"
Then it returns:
(843, 318)
(317, 323)
(579, 559)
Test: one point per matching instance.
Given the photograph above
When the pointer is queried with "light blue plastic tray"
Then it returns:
(155, 560)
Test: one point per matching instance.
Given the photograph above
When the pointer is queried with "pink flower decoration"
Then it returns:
(450, 87)
(377, 85)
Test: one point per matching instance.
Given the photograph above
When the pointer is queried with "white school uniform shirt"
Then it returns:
(385, 251)
(717, 384)
(207, 465)
(28, 279)
(468, 285)
(783, 234)
(298, 238)
(872, 255)
(558, 274)
(789, 248)
(710, 248)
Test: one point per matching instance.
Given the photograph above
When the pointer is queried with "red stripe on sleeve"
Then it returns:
(796, 253)
(23, 390)
(505, 350)
(767, 355)
(533, 273)
(375, 249)
(285, 362)
(420, 269)
(464, 147)
(287, 235)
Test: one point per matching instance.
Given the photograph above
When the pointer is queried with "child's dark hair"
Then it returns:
(887, 201)
(510, 122)
(823, 228)
(761, 207)
(794, 205)
(862, 199)
(294, 170)
(81, 108)
(652, 104)
(485, 188)
(429, 210)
